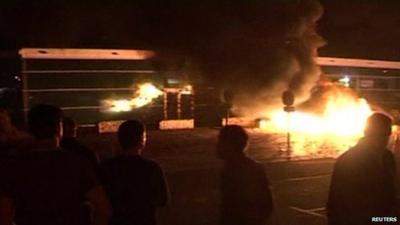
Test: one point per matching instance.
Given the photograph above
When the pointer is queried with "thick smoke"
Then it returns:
(256, 50)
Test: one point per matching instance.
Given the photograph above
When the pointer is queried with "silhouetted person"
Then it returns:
(48, 186)
(70, 143)
(135, 185)
(246, 196)
(362, 184)
(12, 140)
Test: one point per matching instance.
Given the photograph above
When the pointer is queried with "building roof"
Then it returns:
(91, 54)
(363, 63)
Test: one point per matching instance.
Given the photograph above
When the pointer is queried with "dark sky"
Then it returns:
(363, 28)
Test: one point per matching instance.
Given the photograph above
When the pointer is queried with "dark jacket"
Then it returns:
(74, 146)
(136, 187)
(362, 185)
(246, 197)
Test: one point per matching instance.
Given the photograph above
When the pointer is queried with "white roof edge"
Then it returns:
(382, 64)
(70, 53)
(129, 54)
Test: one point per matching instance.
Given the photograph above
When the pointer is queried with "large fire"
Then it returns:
(144, 94)
(336, 127)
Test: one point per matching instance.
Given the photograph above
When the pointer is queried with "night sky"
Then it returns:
(363, 28)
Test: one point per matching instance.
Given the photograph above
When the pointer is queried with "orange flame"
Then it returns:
(144, 95)
(337, 128)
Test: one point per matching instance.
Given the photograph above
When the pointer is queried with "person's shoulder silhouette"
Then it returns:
(136, 186)
(70, 143)
(363, 177)
(46, 185)
(246, 196)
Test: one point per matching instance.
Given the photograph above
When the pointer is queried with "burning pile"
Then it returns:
(330, 122)
(143, 95)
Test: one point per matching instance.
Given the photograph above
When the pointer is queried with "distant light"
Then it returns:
(345, 81)
(173, 81)
(17, 78)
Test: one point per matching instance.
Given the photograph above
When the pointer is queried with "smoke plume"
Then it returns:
(255, 50)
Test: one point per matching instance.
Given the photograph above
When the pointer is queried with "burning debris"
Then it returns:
(259, 68)
(255, 53)
(143, 95)
(330, 122)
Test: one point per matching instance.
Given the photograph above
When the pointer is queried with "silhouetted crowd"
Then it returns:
(47, 177)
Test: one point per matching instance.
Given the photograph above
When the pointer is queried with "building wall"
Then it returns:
(79, 86)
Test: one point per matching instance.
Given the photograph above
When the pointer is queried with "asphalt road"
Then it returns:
(299, 186)
(299, 189)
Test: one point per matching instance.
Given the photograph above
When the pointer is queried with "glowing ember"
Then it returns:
(143, 96)
(335, 129)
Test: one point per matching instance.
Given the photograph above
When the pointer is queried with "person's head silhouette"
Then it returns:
(69, 127)
(232, 141)
(132, 136)
(45, 122)
(379, 128)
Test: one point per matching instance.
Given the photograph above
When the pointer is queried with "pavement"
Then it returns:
(299, 185)
(300, 191)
